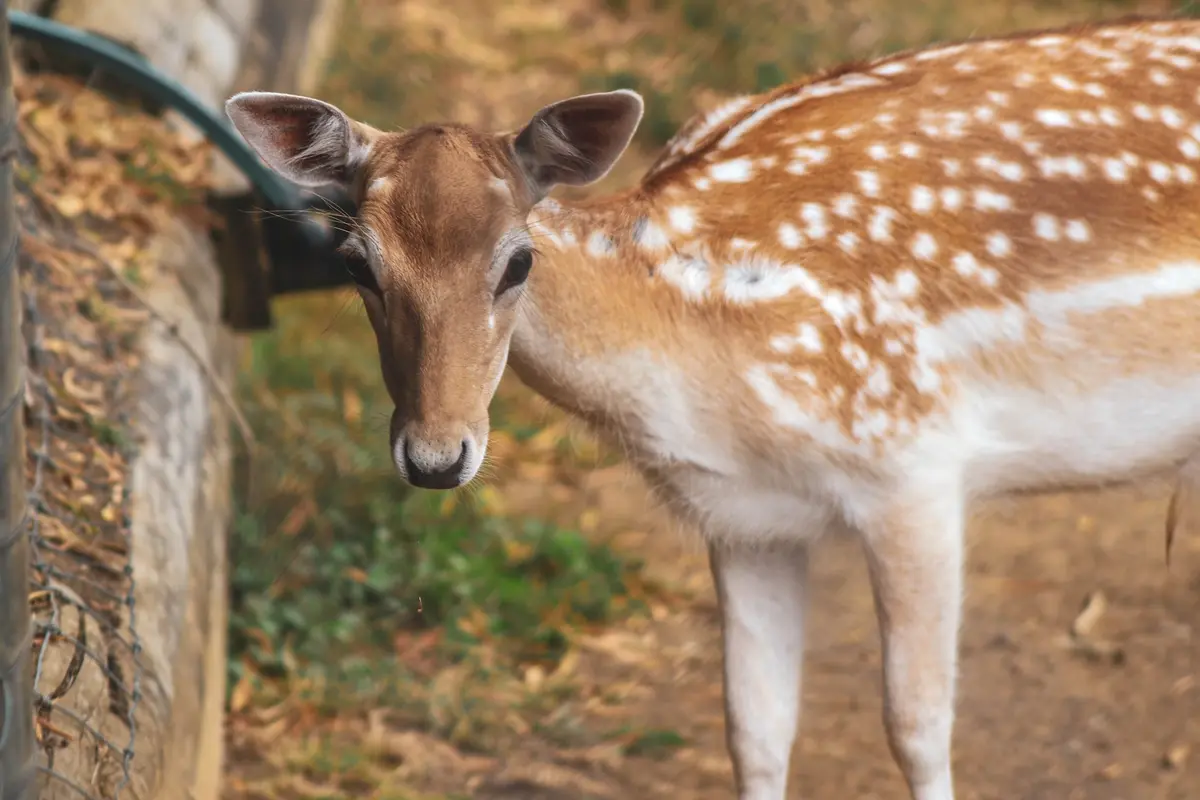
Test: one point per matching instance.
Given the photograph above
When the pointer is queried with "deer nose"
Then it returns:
(435, 465)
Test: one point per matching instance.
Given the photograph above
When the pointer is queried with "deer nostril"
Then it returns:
(426, 475)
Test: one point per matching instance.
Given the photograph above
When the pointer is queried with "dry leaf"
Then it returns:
(1176, 756)
(239, 698)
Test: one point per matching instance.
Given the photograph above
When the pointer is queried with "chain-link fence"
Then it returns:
(74, 679)
(86, 666)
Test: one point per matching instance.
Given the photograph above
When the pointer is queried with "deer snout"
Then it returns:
(442, 460)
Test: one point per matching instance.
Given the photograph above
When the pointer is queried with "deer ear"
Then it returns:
(577, 141)
(305, 140)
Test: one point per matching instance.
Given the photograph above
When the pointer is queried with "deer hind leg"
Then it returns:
(761, 592)
(915, 556)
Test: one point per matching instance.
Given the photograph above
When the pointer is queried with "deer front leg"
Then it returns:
(915, 557)
(761, 593)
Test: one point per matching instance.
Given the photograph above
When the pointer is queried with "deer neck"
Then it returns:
(601, 326)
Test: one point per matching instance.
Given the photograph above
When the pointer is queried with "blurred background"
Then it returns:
(547, 633)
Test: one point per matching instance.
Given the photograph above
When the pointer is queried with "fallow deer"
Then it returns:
(855, 303)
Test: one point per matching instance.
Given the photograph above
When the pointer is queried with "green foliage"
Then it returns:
(655, 743)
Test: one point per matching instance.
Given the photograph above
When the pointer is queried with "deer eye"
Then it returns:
(517, 270)
(360, 270)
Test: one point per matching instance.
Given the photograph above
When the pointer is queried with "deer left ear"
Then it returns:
(577, 141)
(305, 140)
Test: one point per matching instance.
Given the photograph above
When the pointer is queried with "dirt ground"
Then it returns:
(1113, 718)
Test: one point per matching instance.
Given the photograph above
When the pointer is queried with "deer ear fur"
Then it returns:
(307, 141)
(576, 141)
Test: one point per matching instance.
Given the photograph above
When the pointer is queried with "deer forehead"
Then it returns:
(437, 197)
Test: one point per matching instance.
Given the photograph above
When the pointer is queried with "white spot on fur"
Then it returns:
(735, 171)
(845, 205)
(814, 216)
(1071, 166)
(868, 182)
(1171, 117)
(922, 199)
(599, 245)
(759, 279)
(988, 200)
(1045, 226)
(966, 265)
(790, 236)
(1064, 83)
(984, 113)
(1159, 172)
(1009, 170)
(691, 276)
(880, 226)
(953, 198)
(1011, 130)
(924, 246)
(1078, 230)
(807, 337)
(952, 167)
(1053, 118)
(894, 68)
(998, 244)
(1116, 170)
(848, 241)
(910, 150)
(682, 218)
(652, 237)
(1184, 173)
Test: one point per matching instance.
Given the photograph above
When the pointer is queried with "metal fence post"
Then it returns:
(16, 677)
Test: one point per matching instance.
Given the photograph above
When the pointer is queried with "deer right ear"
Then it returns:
(576, 141)
(305, 140)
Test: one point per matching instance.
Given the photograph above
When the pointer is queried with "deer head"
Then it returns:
(439, 248)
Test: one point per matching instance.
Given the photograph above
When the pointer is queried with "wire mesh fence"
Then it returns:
(87, 670)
